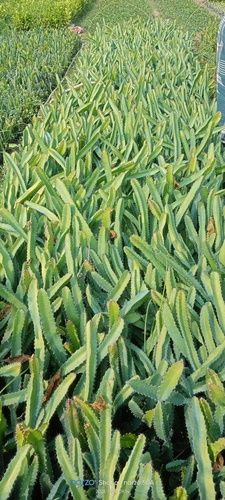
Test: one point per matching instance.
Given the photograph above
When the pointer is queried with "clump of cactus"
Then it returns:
(112, 294)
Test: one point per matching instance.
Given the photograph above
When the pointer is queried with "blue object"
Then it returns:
(221, 71)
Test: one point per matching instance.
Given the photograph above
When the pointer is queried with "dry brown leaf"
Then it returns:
(219, 463)
(17, 359)
(100, 404)
(211, 229)
(52, 385)
(113, 234)
(5, 311)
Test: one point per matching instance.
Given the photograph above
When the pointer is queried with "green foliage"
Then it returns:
(29, 65)
(112, 12)
(194, 15)
(112, 280)
(29, 14)
(199, 21)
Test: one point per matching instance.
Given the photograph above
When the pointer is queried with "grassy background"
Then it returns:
(187, 14)
(113, 11)
(219, 3)
(199, 22)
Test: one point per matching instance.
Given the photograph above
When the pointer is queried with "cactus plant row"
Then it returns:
(30, 62)
(112, 280)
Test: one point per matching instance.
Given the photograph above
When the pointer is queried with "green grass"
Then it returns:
(3, 20)
(219, 3)
(198, 21)
(114, 11)
(186, 13)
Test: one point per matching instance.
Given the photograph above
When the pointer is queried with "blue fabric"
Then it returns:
(221, 71)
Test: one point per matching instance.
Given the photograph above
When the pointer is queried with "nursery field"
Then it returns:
(36, 46)
(190, 15)
(112, 253)
(112, 291)
(30, 62)
(114, 12)
(195, 18)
